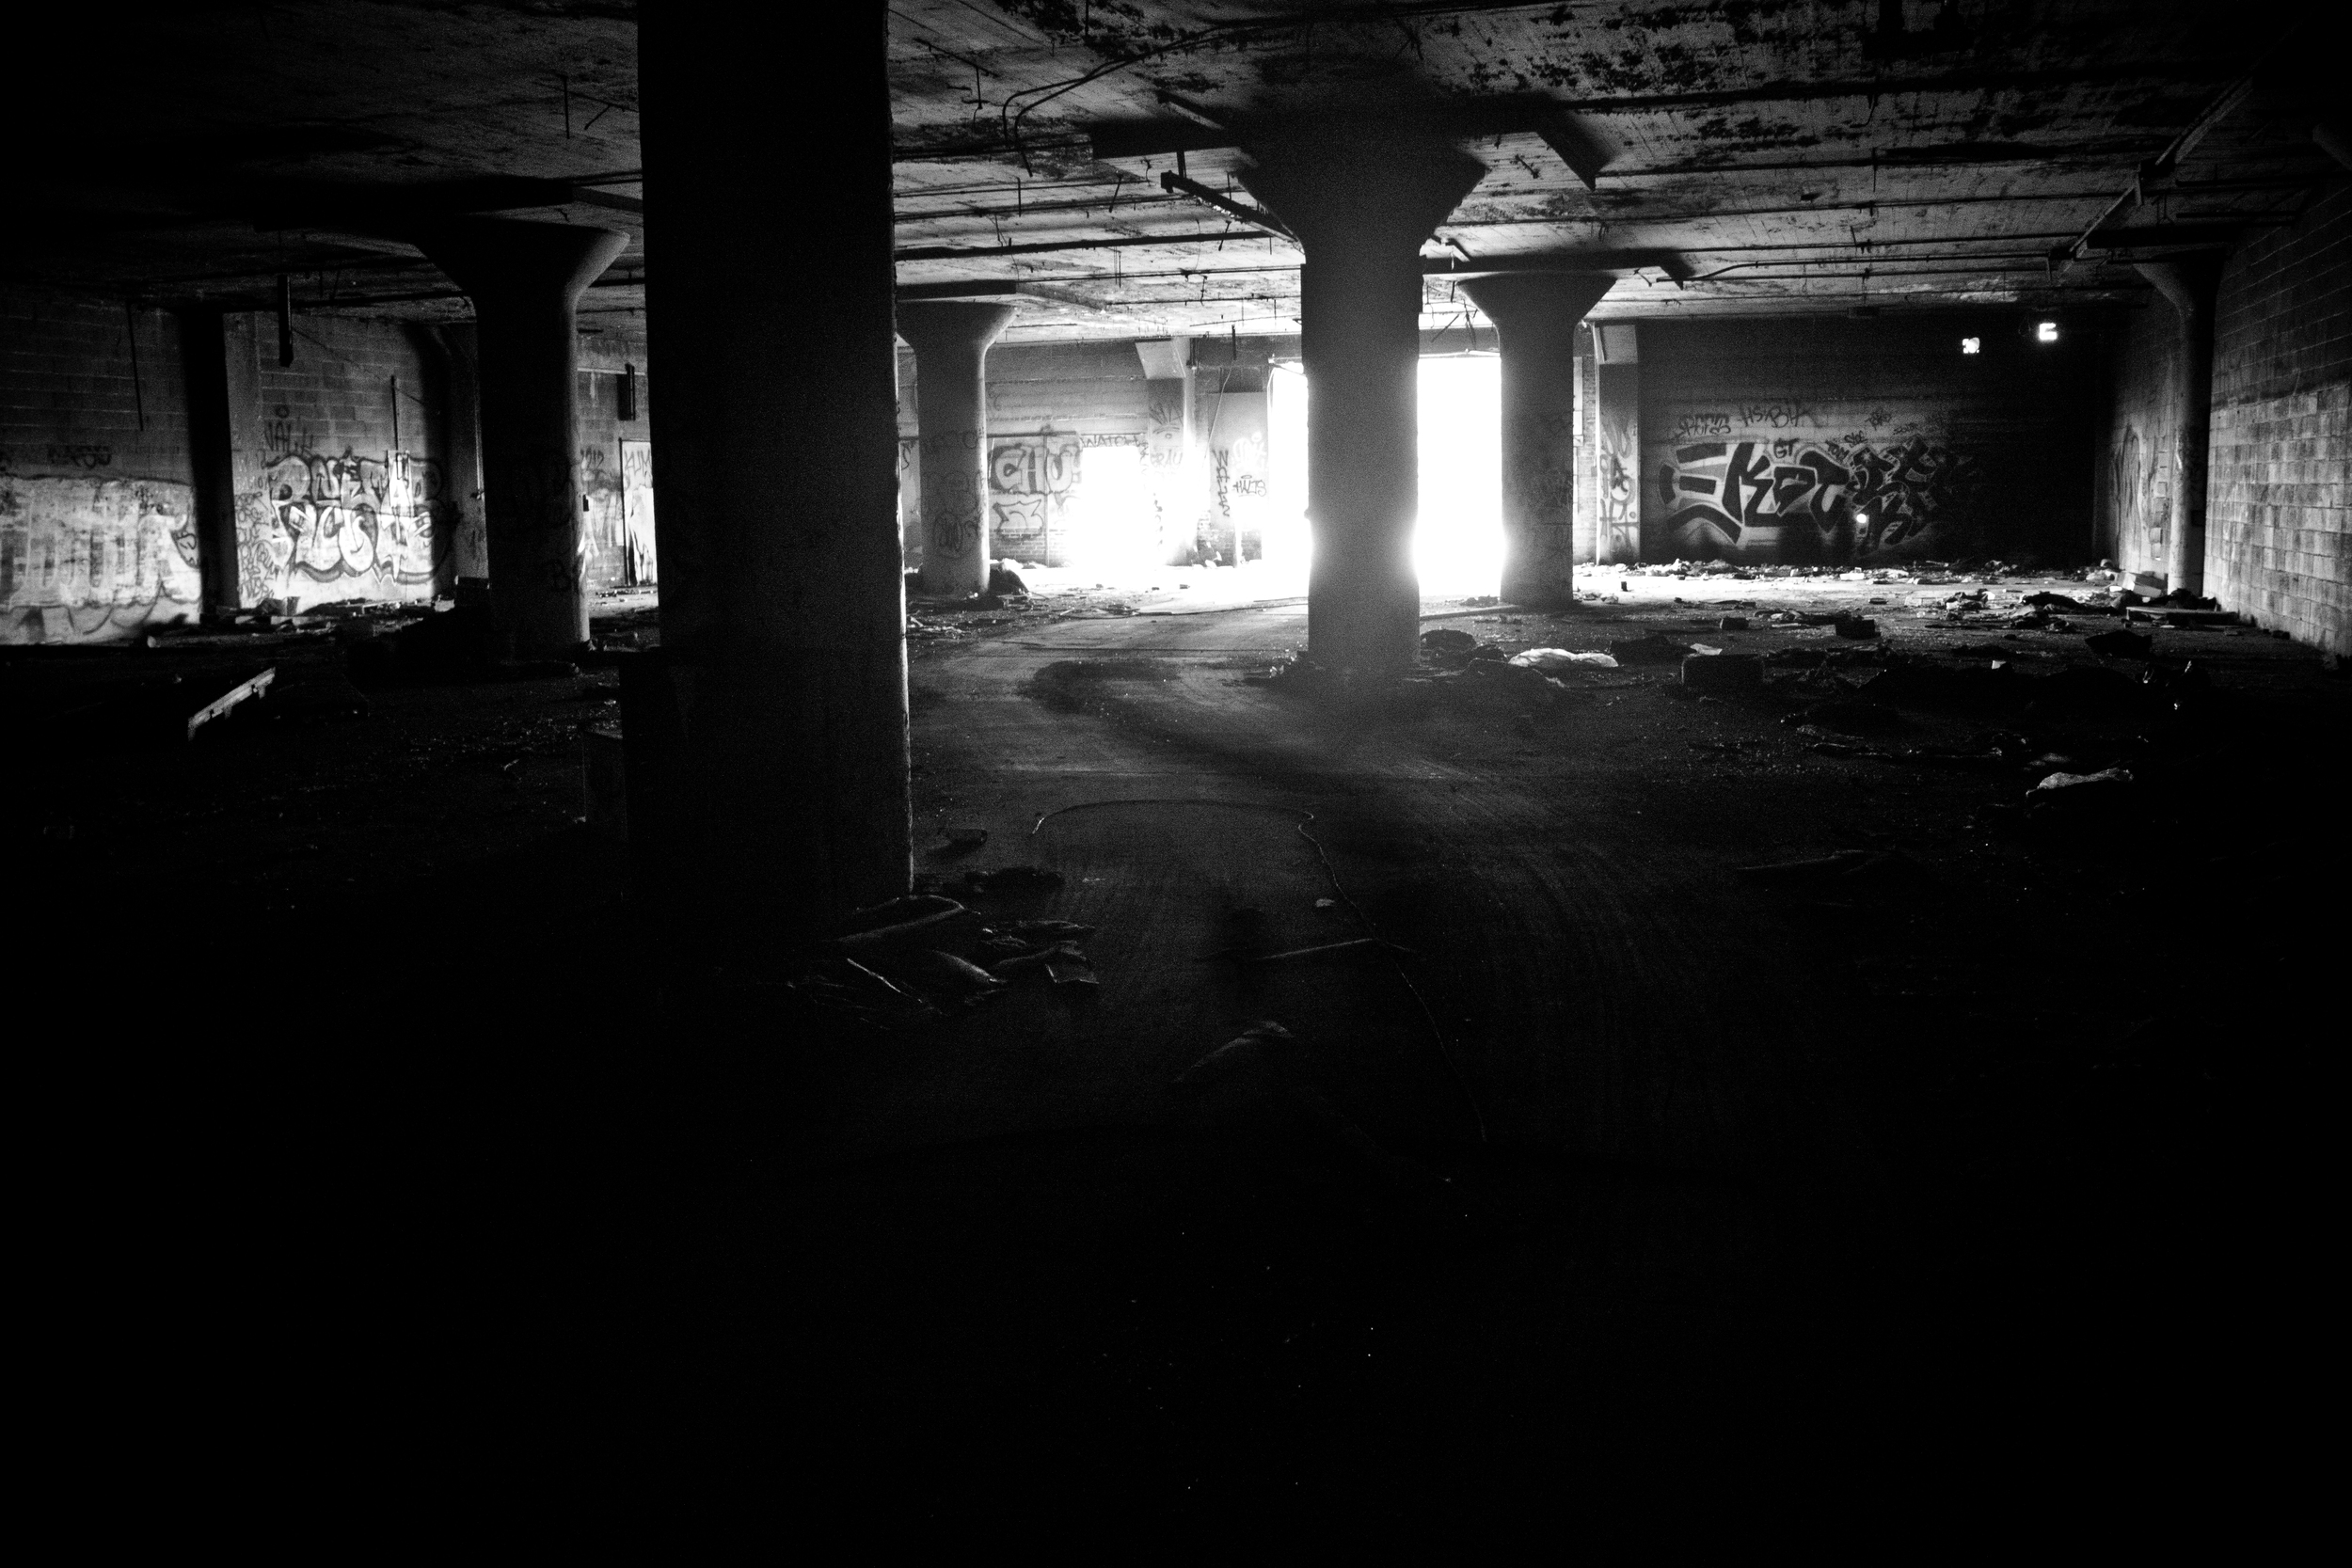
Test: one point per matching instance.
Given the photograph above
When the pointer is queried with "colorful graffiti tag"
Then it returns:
(360, 524)
(1805, 499)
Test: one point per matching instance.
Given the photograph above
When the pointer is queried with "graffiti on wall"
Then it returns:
(83, 558)
(1030, 482)
(637, 510)
(1805, 498)
(1617, 499)
(344, 522)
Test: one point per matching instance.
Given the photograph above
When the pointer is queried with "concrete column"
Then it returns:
(950, 340)
(526, 280)
(2189, 284)
(1168, 447)
(1617, 461)
(204, 361)
(767, 738)
(1536, 314)
(1361, 206)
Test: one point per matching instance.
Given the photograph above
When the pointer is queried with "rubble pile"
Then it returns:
(914, 961)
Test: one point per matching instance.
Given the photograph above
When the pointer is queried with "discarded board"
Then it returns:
(251, 686)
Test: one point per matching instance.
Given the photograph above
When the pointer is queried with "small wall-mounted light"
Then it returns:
(2045, 332)
(1972, 345)
(628, 391)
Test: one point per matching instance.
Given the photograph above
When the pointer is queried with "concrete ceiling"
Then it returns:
(1752, 156)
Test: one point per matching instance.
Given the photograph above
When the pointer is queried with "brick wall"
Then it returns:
(1775, 440)
(98, 535)
(340, 462)
(2281, 463)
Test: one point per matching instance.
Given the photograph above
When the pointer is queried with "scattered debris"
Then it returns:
(920, 920)
(1550, 660)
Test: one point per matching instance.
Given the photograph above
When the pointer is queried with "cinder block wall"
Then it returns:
(1772, 440)
(341, 460)
(98, 535)
(2281, 464)
(2137, 472)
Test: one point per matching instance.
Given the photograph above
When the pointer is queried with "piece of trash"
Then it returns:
(1261, 1044)
(1448, 640)
(1012, 878)
(2076, 781)
(1326, 903)
(1548, 659)
(933, 920)
(1732, 623)
(1858, 627)
(955, 974)
(1047, 930)
(1704, 649)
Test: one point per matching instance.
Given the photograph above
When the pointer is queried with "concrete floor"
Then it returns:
(1952, 1190)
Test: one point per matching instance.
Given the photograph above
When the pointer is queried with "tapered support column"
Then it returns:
(1537, 315)
(767, 738)
(2189, 285)
(525, 279)
(950, 342)
(1361, 207)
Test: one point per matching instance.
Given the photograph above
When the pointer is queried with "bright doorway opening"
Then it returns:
(1457, 535)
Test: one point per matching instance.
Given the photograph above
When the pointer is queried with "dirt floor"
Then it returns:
(1627, 1187)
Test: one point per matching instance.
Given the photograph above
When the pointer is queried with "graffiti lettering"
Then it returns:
(1818, 500)
(321, 519)
(1692, 425)
(86, 558)
(1778, 416)
(81, 456)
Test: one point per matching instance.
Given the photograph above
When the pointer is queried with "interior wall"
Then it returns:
(344, 489)
(98, 520)
(2281, 461)
(618, 557)
(1047, 404)
(1833, 441)
(2136, 480)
